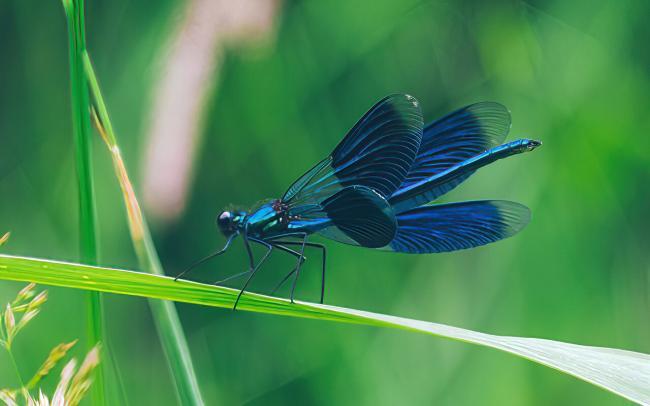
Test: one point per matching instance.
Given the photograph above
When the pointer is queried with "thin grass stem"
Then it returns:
(74, 11)
(15, 365)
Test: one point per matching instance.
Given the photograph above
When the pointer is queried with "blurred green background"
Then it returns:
(574, 74)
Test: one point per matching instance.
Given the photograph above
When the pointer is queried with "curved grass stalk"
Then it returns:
(164, 313)
(625, 373)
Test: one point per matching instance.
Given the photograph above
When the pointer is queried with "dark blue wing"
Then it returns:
(457, 226)
(455, 138)
(360, 216)
(376, 153)
(354, 215)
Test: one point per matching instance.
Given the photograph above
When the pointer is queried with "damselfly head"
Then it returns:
(228, 221)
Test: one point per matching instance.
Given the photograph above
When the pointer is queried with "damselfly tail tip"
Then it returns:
(532, 144)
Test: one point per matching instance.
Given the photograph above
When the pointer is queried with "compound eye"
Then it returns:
(224, 218)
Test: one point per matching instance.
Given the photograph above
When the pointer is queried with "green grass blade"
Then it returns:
(625, 373)
(80, 106)
(168, 324)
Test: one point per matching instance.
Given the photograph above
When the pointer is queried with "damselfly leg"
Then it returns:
(254, 267)
(239, 275)
(324, 257)
(298, 265)
(221, 251)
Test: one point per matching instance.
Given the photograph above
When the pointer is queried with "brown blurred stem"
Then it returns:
(166, 318)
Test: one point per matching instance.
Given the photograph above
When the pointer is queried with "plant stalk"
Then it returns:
(80, 105)
(164, 313)
(15, 365)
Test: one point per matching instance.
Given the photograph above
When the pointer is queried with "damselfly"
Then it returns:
(374, 189)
